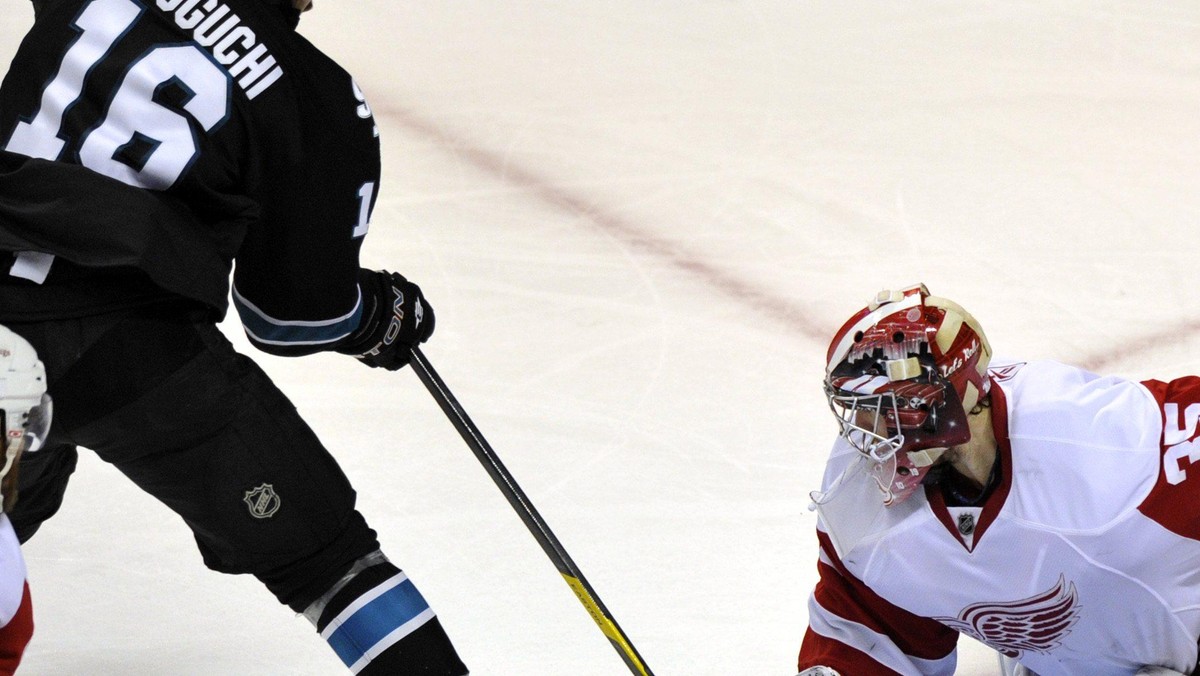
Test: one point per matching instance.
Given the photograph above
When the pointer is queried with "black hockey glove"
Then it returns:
(395, 318)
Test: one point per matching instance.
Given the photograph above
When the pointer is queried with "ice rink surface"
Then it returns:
(639, 224)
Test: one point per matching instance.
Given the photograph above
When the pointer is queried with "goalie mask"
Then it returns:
(25, 409)
(901, 376)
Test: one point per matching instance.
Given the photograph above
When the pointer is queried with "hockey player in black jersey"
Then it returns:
(149, 149)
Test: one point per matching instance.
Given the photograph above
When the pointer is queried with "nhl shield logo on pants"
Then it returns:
(262, 501)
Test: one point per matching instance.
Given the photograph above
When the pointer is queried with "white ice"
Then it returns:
(639, 224)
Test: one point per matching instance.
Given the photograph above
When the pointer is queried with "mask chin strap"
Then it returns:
(926, 457)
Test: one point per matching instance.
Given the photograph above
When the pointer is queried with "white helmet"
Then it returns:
(25, 408)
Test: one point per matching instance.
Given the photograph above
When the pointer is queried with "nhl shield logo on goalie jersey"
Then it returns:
(262, 501)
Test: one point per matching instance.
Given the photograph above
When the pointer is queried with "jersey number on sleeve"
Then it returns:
(145, 138)
(1179, 442)
(365, 195)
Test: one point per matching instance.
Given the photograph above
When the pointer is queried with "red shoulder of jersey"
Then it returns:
(1174, 502)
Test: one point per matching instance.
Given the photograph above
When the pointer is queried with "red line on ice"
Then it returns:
(791, 315)
(1135, 347)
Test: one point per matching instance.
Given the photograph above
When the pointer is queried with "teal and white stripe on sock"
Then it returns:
(376, 621)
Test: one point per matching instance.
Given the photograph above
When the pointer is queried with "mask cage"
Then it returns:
(880, 417)
(37, 424)
(854, 411)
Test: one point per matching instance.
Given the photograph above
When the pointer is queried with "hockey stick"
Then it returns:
(533, 521)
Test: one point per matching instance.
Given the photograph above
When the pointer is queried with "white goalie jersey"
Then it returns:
(1085, 559)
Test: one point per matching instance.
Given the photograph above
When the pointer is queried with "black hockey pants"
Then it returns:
(162, 395)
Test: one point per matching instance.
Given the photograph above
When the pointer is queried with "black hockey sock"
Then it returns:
(379, 624)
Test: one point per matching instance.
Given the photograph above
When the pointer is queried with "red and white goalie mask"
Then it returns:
(901, 376)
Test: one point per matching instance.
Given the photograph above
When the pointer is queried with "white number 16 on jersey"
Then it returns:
(144, 139)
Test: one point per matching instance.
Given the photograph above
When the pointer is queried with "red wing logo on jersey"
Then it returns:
(1005, 372)
(1037, 624)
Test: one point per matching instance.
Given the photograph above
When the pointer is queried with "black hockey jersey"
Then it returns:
(178, 139)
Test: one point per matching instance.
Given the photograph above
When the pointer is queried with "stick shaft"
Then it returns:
(529, 515)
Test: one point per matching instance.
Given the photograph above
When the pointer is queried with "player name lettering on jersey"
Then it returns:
(216, 28)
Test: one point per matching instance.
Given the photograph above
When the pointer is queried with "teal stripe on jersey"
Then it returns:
(263, 328)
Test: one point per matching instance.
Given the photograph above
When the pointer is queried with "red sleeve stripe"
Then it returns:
(870, 652)
(822, 557)
(845, 595)
(820, 650)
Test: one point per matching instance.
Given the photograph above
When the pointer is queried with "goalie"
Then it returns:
(1045, 511)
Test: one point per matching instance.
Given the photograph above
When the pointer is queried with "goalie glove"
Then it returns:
(396, 317)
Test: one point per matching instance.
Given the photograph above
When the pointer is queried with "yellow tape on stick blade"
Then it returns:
(610, 628)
